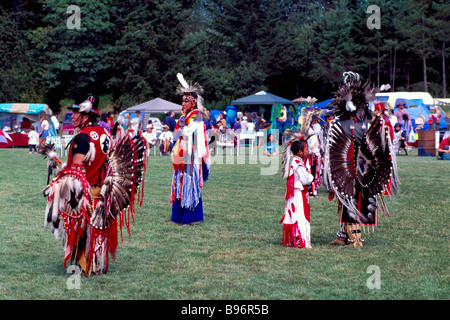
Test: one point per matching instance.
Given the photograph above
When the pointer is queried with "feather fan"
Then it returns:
(374, 159)
(126, 169)
(54, 165)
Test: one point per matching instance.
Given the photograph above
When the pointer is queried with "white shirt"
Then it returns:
(243, 125)
(166, 135)
(150, 137)
(33, 137)
(393, 120)
(55, 122)
(250, 127)
(44, 125)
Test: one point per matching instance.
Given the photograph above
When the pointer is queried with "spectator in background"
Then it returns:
(250, 127)
(222, 122)
(401, 111)
(140, 123)
(444, 148)
(110, 119)
(399, 141)
(26, 124)
(259, 122)
(170, 121)
(165, 140)
(150, 137)
(33, 138)
(271, 146)
(103, 122)
(44, 133)
(55, 122)
(392, 118)
(237, 126)
(244, 124)
(259, 125)
(127, 121)
(406, 127)
(133, 127)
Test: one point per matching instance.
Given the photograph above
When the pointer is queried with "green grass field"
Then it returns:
(236, 253)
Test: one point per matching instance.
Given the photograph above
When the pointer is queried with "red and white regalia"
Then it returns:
(85, 199)
(296, 219)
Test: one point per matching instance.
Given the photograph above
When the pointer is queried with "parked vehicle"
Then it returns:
(67, 126)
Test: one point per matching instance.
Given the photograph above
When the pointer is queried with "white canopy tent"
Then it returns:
(156, 105)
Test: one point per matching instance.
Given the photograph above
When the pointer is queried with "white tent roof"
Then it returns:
(156, 105)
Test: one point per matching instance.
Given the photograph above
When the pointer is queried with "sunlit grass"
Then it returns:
(236, 253)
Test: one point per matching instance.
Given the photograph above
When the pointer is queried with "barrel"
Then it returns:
(426, 146)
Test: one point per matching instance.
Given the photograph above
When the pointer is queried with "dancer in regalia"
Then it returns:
(359, 160)
(296, 218)
(190, 155)
(311, 126)
(95, 186)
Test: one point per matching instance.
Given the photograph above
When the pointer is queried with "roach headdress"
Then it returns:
(290, 137)
(191, 89)
(353, 98)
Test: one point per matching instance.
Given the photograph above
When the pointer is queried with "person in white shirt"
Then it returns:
(165, 140)
(393, 118)
(250, 127)
(33, 138)
(55, 122)
(244, 124)
(150, 137)
(44, 133)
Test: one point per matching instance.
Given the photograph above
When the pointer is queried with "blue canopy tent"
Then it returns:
(215, 114)
(322, 105)
(416, 108)
(262, 98)
(266, 98)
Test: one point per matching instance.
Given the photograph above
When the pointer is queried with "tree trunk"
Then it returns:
(407, 86)
(378, 65)
(390, 66)
(393, 69)
(424, 58)
(444, 84)
(424, 64)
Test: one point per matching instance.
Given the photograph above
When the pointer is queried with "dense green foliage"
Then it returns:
(131, 50)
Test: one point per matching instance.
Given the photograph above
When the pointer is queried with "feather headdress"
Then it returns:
(290, 137)
(309, 116)
(193, 88)
(353, 98)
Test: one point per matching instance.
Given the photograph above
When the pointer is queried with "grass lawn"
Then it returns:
(236, 253)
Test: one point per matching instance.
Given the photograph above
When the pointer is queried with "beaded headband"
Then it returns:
(189, 98)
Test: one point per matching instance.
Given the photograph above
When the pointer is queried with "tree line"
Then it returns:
(132, 50)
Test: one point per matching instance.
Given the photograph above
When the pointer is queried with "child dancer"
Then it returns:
(296, 219)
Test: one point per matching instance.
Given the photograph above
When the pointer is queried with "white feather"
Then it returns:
(350, 106)
(86, 106)
(182, 80)
(121, 120)
(90, 156)
(55, 212)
